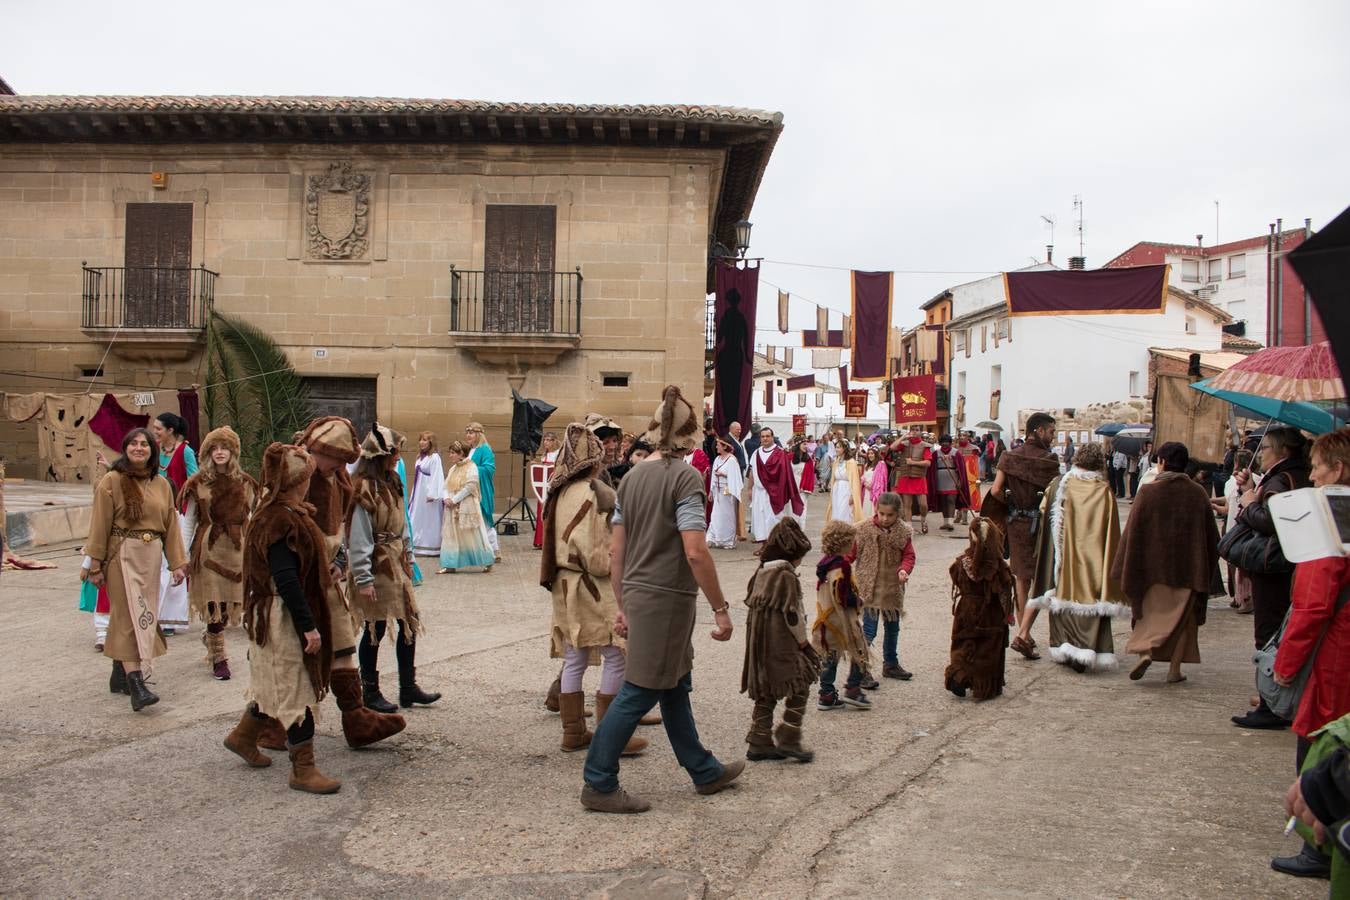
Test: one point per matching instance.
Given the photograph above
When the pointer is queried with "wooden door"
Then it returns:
(351, 398)
(158, 282)
(518, 262)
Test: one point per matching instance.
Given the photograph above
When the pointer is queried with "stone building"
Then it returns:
(417, 259)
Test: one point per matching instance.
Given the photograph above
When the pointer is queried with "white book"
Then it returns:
(1313, 523)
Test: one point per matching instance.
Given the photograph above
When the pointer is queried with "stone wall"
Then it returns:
(635, 221)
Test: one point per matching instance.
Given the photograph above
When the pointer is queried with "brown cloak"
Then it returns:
(981, 602)
(779, 661)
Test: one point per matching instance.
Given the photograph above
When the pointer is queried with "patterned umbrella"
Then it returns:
(1285, 373)
(1308, 416)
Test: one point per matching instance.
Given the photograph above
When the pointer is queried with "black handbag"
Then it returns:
(1254, 552)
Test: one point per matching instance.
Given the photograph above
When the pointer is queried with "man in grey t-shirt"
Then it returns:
(659, 560)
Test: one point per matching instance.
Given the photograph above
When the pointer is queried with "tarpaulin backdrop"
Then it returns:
(914, 399)
(737, 290)
(871, 321)
(1141, 289)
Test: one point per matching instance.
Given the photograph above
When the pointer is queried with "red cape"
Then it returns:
(962, 482)
(776, 476)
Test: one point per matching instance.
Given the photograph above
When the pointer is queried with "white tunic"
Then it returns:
(841, 493)
(425, 507)
(762, 516)
(725, 486)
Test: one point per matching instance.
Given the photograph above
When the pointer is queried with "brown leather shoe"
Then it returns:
(361, 726)
(1024, 647)
(730, 772)
(243, 741)
(272, 735)
(616, 801)
(635, 745)
(305, 776)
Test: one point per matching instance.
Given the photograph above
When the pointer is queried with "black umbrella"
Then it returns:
(1323, 264)
(1110, 428)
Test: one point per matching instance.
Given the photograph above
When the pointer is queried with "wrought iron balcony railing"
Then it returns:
(515, 302)
(148, 298)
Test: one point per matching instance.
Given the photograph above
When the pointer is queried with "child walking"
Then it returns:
(780, 663)
(981, 604)
(883, 561)
(838, 629)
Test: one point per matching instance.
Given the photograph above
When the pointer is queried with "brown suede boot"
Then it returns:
(575, 734)
(551, 699)
(272, 736)
(635, 745)
(243, 741)
(361, 726)
(788, 735)
(305, 776)
(760, 736)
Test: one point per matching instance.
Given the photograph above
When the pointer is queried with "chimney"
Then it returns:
(1200, 241)
(1307, 228)
(1049, 252)
(1077, 263)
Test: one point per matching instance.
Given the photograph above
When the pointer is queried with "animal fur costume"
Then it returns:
(223, 501)
(1027, 471)
(575, 564)
(779, 658)
(879, 553)
(284, 680)
(981, 603)
(380, 497)
(837, 630)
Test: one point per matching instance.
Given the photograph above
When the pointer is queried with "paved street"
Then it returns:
(1068, 786)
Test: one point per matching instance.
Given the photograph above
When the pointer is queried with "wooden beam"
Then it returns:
(704, 133)
(255, 123)
(283, 127)
(385, 127)
(544, 127)
(359, 126)
(177, 124)
(79, 127)
(624, 132)
(203, 125)
(413, 127)
(303, 122)
(520, 128)
(151, 125)
(679, 132)
(101, 126)
(18, 125)
(335, 126)
(49, 127)
(128, 126)
(442, 126)
(466, 126)
(571, 128)
(231, 126)
(599, 128)
(653, 130)
(493, 128)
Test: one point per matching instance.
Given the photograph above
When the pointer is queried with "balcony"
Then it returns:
(148, 313)
(515, 318)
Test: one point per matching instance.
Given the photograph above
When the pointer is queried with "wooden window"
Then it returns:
(351, 398)
(158, 259)
(518, 259)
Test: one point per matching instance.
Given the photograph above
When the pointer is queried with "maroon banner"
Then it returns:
(800, 382)
(941, 364)
(914, 400)
(834, 338)
(798, 424)
(843, 379)
(734, 350)
(855, 404)
(768, 395)
(1100, 292)
(871, 324)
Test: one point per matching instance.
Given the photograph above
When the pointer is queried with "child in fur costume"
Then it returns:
(982, 595)
(780, 663)
(883, 561)
(838, 627)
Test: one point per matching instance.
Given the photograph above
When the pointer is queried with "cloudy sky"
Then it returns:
(928, 139)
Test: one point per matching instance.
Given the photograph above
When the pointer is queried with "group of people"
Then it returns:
(305, 558)
(452, 499)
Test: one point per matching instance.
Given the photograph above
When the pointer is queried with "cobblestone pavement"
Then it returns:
(1068, 786)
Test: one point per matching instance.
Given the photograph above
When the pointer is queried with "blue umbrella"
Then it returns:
(1110, 429)
(1308, 416)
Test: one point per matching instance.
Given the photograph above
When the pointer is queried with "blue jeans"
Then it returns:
(827, 673)
(621, 720)
(890, 637)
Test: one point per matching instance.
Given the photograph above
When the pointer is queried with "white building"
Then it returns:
(1001, 366)
(822, 406)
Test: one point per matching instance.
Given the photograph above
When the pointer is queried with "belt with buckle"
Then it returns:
(140, 534)
(387, 537)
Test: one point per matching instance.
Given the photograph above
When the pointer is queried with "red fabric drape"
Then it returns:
(111, 423)
(190, 410)
(871, 322)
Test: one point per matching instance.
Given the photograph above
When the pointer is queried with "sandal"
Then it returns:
(1021, 646)
(924, 526)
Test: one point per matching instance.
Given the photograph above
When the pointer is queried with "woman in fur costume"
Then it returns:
(133, 529)
(837, 630)
(575, 568)
(780, 663)
(381, 567)
(216, 503)
(982, 587)
(285, 578)
(1073, 564)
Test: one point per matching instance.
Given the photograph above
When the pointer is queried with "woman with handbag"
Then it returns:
(1316, 638)
(1284, 458)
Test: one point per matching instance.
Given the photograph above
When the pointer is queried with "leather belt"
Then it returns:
(140, 534)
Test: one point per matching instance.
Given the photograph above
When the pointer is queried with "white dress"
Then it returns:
(866, 479)
(762, 516)
(425, 507)
(841, 492)
(725, 486)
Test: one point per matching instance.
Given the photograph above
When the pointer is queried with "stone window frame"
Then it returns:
(123, 195)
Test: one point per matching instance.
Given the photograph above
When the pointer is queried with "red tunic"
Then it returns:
(1327, 695)
(916, 484)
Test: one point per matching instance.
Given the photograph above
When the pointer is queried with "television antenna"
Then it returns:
(1050, 221)
(1078, 214)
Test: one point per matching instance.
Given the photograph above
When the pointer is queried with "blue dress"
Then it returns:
(407, 517)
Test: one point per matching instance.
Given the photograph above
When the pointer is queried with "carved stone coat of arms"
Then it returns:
(337, 213)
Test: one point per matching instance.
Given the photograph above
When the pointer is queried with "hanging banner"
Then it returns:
(915, 400)
(855, 404)
(843, 379)
(848, 332)
(1099, 292)
(822, 327)
(787, 357)
(799, 424)
(801, 382)
(768, 395)
(871, 321)
(783, 312)
(825, 357)
(833, 338)
(737, 290)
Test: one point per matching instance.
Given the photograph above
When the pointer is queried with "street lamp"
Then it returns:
(742, 236)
